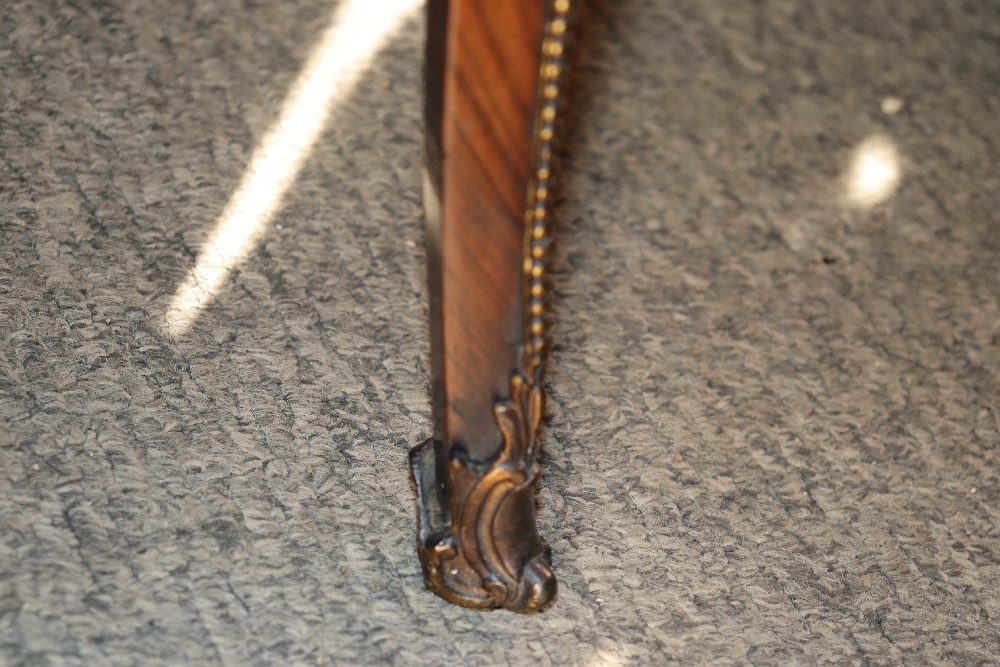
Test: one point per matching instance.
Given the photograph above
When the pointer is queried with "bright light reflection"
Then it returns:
(358, 31)
(605, 659)
(874, 173)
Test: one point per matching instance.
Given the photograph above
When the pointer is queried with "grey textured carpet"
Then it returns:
(775, 416)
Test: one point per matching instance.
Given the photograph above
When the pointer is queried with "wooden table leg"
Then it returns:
(493, 79)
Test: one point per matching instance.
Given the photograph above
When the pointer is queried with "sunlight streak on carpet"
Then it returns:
(359, 29)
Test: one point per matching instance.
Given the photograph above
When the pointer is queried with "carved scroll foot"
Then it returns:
(477, 538)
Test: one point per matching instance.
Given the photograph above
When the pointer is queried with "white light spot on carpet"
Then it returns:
(892, 105)
(358, 31)
(874, 173)
(605, 659)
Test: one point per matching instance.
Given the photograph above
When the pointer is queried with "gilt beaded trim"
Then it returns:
(538, 213)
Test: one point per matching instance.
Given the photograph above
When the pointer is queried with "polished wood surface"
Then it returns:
(482, 70)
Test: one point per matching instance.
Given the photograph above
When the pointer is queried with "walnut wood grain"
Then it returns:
(488, 83)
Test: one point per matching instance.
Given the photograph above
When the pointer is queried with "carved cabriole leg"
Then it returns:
(493, 82)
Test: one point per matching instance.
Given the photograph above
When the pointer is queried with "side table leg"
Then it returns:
(493, 80)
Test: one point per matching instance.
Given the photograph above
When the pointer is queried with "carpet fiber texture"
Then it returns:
(774, 428)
